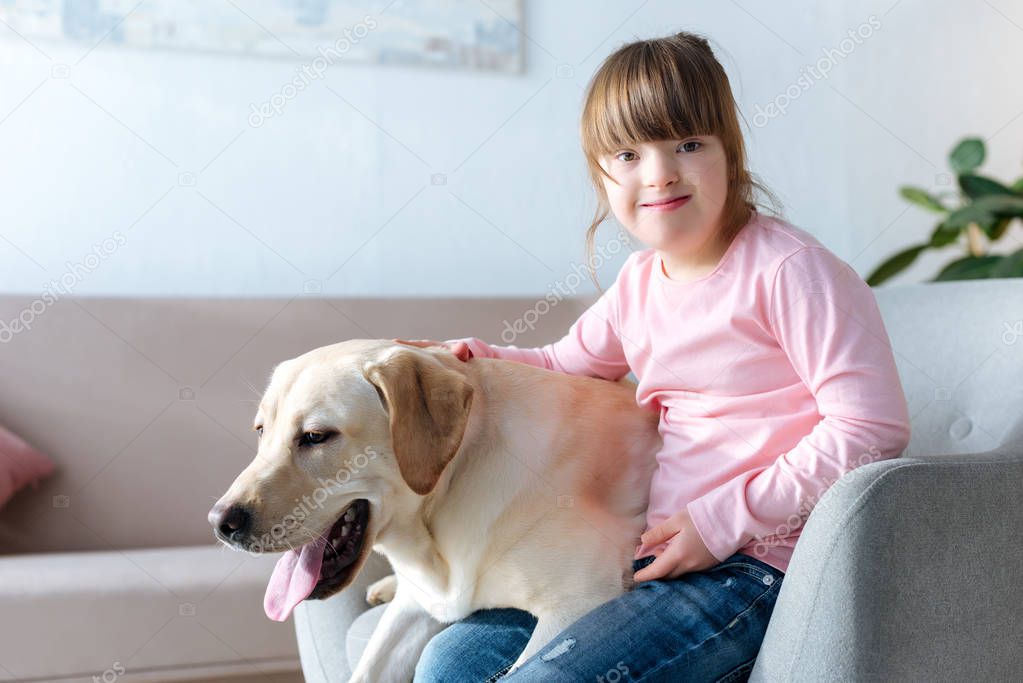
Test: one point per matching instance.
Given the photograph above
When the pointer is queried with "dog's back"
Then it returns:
(551, 489)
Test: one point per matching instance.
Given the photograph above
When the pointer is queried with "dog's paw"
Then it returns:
(382, 591)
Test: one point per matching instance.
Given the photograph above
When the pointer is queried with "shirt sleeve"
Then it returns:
(826, 319)
(592, 346)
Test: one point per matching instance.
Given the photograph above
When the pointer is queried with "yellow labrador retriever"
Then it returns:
(486, 483)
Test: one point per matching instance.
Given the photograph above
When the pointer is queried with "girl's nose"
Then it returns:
(660, 170)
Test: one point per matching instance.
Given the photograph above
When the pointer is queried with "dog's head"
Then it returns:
(349, 435)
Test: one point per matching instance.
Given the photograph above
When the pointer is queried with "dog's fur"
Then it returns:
(490, 484)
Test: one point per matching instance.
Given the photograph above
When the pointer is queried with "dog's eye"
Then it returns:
(311, 438)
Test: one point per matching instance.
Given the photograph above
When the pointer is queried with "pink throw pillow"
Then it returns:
(20, 464)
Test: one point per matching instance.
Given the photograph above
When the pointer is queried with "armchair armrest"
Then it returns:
(907, 569)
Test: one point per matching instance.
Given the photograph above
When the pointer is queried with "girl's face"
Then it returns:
(647, 173)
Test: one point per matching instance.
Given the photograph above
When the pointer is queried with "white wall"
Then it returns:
(335, 194)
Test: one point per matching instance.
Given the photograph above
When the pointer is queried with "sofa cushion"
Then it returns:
(86, 613)
(146, 403)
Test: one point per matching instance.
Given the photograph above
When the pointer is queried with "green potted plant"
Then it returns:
(984, 209)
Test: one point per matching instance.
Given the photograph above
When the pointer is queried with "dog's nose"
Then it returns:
(232, 521)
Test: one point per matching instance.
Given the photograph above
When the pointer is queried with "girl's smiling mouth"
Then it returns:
(668, 204)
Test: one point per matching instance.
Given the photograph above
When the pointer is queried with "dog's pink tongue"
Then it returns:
(293, 579)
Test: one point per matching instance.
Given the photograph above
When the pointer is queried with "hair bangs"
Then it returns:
(647, 96)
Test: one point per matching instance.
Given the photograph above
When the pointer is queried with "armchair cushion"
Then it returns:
(327, 646)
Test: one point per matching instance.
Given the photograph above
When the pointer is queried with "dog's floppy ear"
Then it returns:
(428, 407)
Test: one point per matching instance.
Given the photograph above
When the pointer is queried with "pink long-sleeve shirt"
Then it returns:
(773, 375)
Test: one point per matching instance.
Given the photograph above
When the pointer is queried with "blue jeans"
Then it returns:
(701, 626)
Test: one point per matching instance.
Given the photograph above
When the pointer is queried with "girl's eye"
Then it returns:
(259, 430)
(692, 142)
(619, 156)
(312, 438)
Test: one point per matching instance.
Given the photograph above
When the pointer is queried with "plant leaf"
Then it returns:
(999, 228)
(921, 197)
(968, 268)
(1002, 205)
(1018, 186)
(894, 265)
(977, 212)
(943, 235)
(979, 186)
(967, 155)
(1011, 265)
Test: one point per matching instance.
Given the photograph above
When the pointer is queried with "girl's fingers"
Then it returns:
(461, 351)
(656, 569)
(659, 533)
(422, 343)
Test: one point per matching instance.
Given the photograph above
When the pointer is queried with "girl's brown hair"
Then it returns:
(661, 89)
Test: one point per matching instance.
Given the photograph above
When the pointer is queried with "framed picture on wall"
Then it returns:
(457, 34)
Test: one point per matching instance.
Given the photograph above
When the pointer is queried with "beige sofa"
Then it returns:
(109, 570)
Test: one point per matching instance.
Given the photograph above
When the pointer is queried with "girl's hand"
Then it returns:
(685, 551)
(460, 349)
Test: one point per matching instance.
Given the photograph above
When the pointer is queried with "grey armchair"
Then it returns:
(907, 569)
